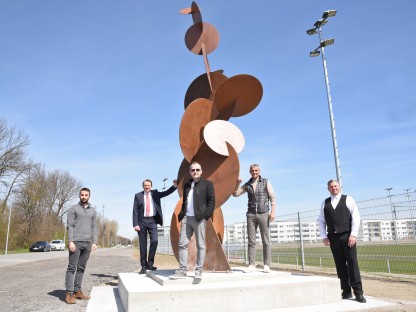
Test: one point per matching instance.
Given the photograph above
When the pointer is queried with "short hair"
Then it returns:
(147, 180)
(254, 165)
(332, 181)
(194, 163)
(86, 189)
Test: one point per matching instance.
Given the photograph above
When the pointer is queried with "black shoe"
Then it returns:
(346, 295)
(360, 298)
(143, 271)
(151, 268)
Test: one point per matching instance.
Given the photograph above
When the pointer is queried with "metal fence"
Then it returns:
(386, 240)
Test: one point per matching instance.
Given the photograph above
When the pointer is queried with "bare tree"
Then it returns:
(67, 190)
(13, 145)
(43, 199)
(107, 232)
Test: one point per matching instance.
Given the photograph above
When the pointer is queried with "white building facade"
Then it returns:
(289, 231)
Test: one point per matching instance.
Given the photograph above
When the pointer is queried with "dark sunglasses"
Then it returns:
(193, 170)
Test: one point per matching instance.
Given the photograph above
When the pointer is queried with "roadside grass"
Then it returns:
(16, 251)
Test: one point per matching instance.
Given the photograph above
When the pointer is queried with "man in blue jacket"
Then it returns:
(147, 214)
(197, 207)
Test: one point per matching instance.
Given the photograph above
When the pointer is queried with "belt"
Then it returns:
(148, 217)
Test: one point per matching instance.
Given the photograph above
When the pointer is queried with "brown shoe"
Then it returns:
(70, 298)
(79, 295)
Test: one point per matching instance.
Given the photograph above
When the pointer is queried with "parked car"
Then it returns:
(57, 244)
(40, 246)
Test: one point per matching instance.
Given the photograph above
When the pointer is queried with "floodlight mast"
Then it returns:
(322, 44)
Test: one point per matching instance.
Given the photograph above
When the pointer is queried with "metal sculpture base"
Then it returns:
(235, 291)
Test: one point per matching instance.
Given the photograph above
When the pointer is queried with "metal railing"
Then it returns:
(386, 240)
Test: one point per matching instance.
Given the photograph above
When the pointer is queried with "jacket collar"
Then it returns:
(259, 179)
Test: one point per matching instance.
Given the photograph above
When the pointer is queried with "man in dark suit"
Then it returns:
(147, 214)
(339, 222)
(197, 207)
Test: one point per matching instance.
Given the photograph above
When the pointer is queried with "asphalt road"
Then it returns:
(36, 281)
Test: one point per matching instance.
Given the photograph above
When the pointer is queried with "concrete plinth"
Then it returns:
(236, 291)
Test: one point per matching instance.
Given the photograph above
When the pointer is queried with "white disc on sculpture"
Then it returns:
(218, 132)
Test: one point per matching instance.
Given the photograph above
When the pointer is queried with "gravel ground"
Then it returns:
(39, 286)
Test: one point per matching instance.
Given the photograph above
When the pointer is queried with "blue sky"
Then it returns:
(98, 86)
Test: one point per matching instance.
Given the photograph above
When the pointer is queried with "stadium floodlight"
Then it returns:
(329, 13)
(322, 44)
(314, 53)
(311, 31)
(327, 42)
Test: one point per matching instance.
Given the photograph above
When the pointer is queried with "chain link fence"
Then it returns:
(386, 240)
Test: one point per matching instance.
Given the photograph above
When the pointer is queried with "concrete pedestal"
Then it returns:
(235, 291)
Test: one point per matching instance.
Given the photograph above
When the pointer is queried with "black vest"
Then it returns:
(258, 202)
(337, 220)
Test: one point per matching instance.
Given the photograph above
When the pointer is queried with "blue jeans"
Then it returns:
(76, 266)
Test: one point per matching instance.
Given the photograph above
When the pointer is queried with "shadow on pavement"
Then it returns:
(59, 293)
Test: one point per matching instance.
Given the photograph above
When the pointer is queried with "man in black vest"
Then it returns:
(339, 221)
(259, 215)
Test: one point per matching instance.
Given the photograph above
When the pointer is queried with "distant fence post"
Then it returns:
(227, 245)
(301, 243)
(244, 243)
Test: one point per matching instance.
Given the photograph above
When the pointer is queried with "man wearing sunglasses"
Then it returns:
(197, 207)
(260, 194)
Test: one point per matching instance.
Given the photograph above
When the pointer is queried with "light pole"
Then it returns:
(103, 227)
(8, 227)
(164, 201)
(322, 44)
(411, 214)
(393, 212)
(163, 213)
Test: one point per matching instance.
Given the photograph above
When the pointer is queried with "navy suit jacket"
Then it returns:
(138, 206)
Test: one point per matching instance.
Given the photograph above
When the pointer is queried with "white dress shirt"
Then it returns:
(190, 202)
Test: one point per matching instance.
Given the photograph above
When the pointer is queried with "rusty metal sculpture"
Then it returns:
(206, 136)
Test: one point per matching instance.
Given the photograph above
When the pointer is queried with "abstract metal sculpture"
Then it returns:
(206, 136)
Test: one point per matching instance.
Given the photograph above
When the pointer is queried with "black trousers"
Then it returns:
(149, 227)
(346, 262)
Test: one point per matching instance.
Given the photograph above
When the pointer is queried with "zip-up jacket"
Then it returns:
(203, 199)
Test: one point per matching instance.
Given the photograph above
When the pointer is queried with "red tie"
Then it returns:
(147, 204)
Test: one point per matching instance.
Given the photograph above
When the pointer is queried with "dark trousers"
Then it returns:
(346, 262)
(76, 267)
(149, 227)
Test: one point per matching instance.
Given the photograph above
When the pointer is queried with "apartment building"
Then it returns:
(288, 231)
